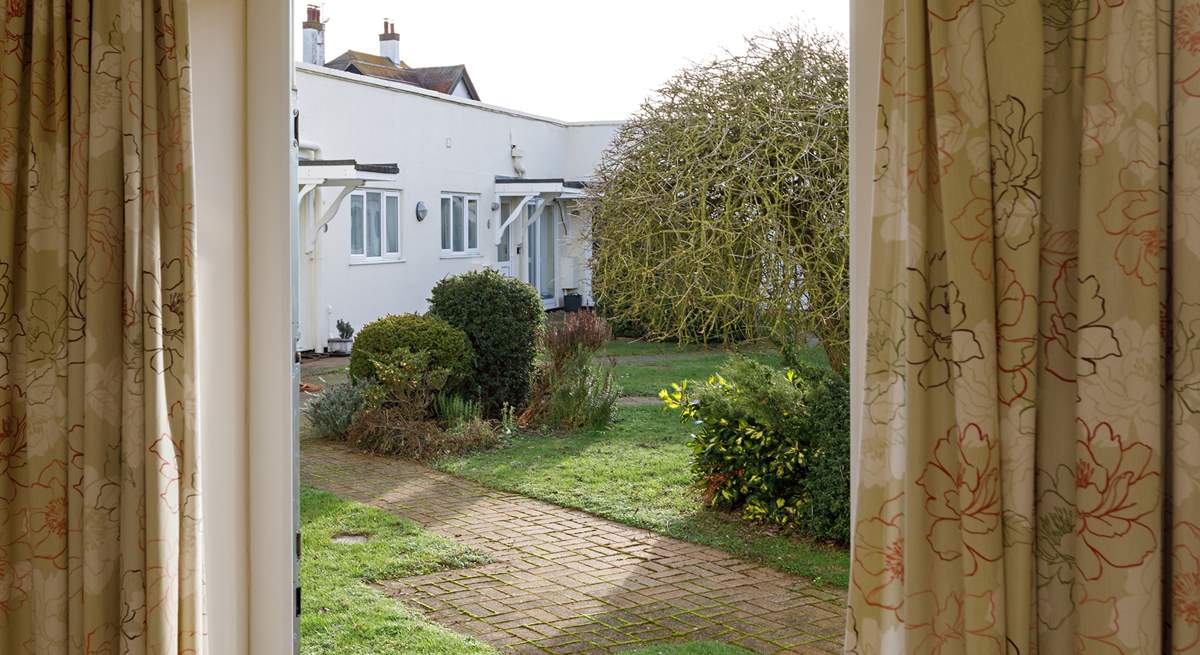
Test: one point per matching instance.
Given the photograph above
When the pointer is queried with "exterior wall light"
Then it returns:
(422, 210)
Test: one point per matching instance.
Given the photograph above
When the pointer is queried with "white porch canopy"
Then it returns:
(539, 190)
(343, 174)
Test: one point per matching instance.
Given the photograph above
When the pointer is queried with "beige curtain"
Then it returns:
(99, 492)
(1030, 458)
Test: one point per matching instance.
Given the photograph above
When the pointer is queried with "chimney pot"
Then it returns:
(314, 18)
(389, 42)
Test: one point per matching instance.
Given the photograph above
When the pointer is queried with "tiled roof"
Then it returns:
(442, 79)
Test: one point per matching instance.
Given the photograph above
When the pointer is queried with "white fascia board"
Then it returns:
(525, 189)
(545, 189)
(337, 175)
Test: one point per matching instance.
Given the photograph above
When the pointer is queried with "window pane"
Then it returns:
(356, 224)
(473, 224)
(373, 224)
(547, 255)
(445, 223)
(457, 224)
(393, 224)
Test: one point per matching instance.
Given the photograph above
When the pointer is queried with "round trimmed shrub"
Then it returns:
(503, 318)
(448, 346)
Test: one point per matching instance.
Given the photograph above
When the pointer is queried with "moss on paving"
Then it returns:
(341, 613)
(692, 648)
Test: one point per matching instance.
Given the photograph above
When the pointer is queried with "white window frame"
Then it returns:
(385, 255)
(467, 198)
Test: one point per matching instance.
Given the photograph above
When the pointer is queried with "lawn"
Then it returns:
(644, 368)
(637, 472)
(341, 612)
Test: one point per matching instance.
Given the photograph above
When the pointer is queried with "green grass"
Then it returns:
(341, 613)
(637, 472)
(692, 648)
(645, 368)
(646, 378)
(623, 347)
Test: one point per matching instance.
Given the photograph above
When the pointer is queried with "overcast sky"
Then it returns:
(569, 60)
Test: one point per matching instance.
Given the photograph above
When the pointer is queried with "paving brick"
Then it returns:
(563, 582)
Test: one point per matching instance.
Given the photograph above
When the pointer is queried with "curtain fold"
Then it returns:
(100, 512)
(1030, 456)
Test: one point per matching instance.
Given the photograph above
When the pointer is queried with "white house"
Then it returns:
(410, 178)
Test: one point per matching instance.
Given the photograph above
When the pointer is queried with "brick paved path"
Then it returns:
(564, 581)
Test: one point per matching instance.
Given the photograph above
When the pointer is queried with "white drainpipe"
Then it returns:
(315, 206)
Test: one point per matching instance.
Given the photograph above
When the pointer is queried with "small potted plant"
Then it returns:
(341, 345)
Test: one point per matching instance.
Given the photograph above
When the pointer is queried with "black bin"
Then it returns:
(572, 302)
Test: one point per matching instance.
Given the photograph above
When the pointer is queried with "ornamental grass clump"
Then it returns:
(772, 444)
(573, 388)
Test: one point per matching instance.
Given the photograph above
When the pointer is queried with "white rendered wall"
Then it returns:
(440, 144)
(585, 143)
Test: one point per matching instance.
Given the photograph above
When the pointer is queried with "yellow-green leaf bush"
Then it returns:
(773, 444)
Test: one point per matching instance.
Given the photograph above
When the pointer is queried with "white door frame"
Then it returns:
(271, 153)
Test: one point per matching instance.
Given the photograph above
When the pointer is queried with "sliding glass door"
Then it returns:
(540, 240)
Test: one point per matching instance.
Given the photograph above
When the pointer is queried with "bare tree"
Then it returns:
(720, 212)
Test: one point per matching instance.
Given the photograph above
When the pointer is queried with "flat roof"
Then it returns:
(572, 184)
(387, 169)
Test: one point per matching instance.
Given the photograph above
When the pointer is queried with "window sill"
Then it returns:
(377, 261)
(460, 255)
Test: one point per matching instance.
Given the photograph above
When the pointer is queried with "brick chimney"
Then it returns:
(389, 42)
(314, 37)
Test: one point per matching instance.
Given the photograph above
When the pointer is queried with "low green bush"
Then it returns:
(503, 318)
(399, 405)
(447, 346)
(826, 515)
(773, 444)
(407, 381)
(331, 412)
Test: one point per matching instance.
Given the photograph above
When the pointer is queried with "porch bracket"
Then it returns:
(348, 186)
(512, 217)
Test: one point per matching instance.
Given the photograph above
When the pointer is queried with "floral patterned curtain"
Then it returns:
(1030, 457)
(99, 497)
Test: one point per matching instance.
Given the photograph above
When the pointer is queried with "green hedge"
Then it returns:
(503, 318)
(773, 444)
(448, 346)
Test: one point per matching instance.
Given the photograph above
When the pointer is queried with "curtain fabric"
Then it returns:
(99, 494)
(1030, 456)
